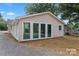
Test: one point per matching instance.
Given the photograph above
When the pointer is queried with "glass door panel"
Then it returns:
(42, 30)
(26, 31)
(35, 30)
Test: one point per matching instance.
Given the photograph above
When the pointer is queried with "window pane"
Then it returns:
(49, 30)
(26, 30)
(35, 30)
(42, 30)
(59, 27)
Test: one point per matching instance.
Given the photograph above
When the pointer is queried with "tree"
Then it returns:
(42, 7)
(70, 12)
(0, 16)
(67, 11)
(3, 24)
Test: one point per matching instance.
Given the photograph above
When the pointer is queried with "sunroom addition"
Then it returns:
(37, 30)
(36, 26)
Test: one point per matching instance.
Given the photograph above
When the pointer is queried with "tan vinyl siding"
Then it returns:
(18, 29)
(49, 20)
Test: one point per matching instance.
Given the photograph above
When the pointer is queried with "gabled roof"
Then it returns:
(32, 15)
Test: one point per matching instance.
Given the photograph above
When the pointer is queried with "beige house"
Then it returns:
(36, 26)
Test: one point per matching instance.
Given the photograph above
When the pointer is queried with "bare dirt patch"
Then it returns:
(68, 45)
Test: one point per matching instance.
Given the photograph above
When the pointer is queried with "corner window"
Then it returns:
(60, 27)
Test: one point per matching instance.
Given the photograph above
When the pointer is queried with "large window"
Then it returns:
(35, 30)
(49, 30)
(26, 30)
(42, 30)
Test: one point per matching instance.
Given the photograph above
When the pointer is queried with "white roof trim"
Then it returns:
(20, 17)
(32, 15)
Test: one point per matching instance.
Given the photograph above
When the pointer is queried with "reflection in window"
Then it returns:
(26, 30)
(42, 30)
(49, 30)
(35, 30)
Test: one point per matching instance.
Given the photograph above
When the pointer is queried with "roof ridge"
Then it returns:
(31, 15)
(21, 17)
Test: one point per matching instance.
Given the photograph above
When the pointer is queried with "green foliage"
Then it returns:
(42, 7)
(68, 11)
(3, 24)
(76, 26)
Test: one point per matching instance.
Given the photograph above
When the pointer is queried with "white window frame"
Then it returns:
(47, 30)
(38, 32)
(31, 31)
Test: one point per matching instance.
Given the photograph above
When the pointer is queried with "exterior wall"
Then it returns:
(14, 30)
(46, 19)
(18, 29)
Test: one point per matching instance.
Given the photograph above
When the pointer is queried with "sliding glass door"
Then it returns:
(42, 30)
(35, 30)
(26, 31)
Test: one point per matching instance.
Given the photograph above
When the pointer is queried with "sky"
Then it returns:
(12, 10)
